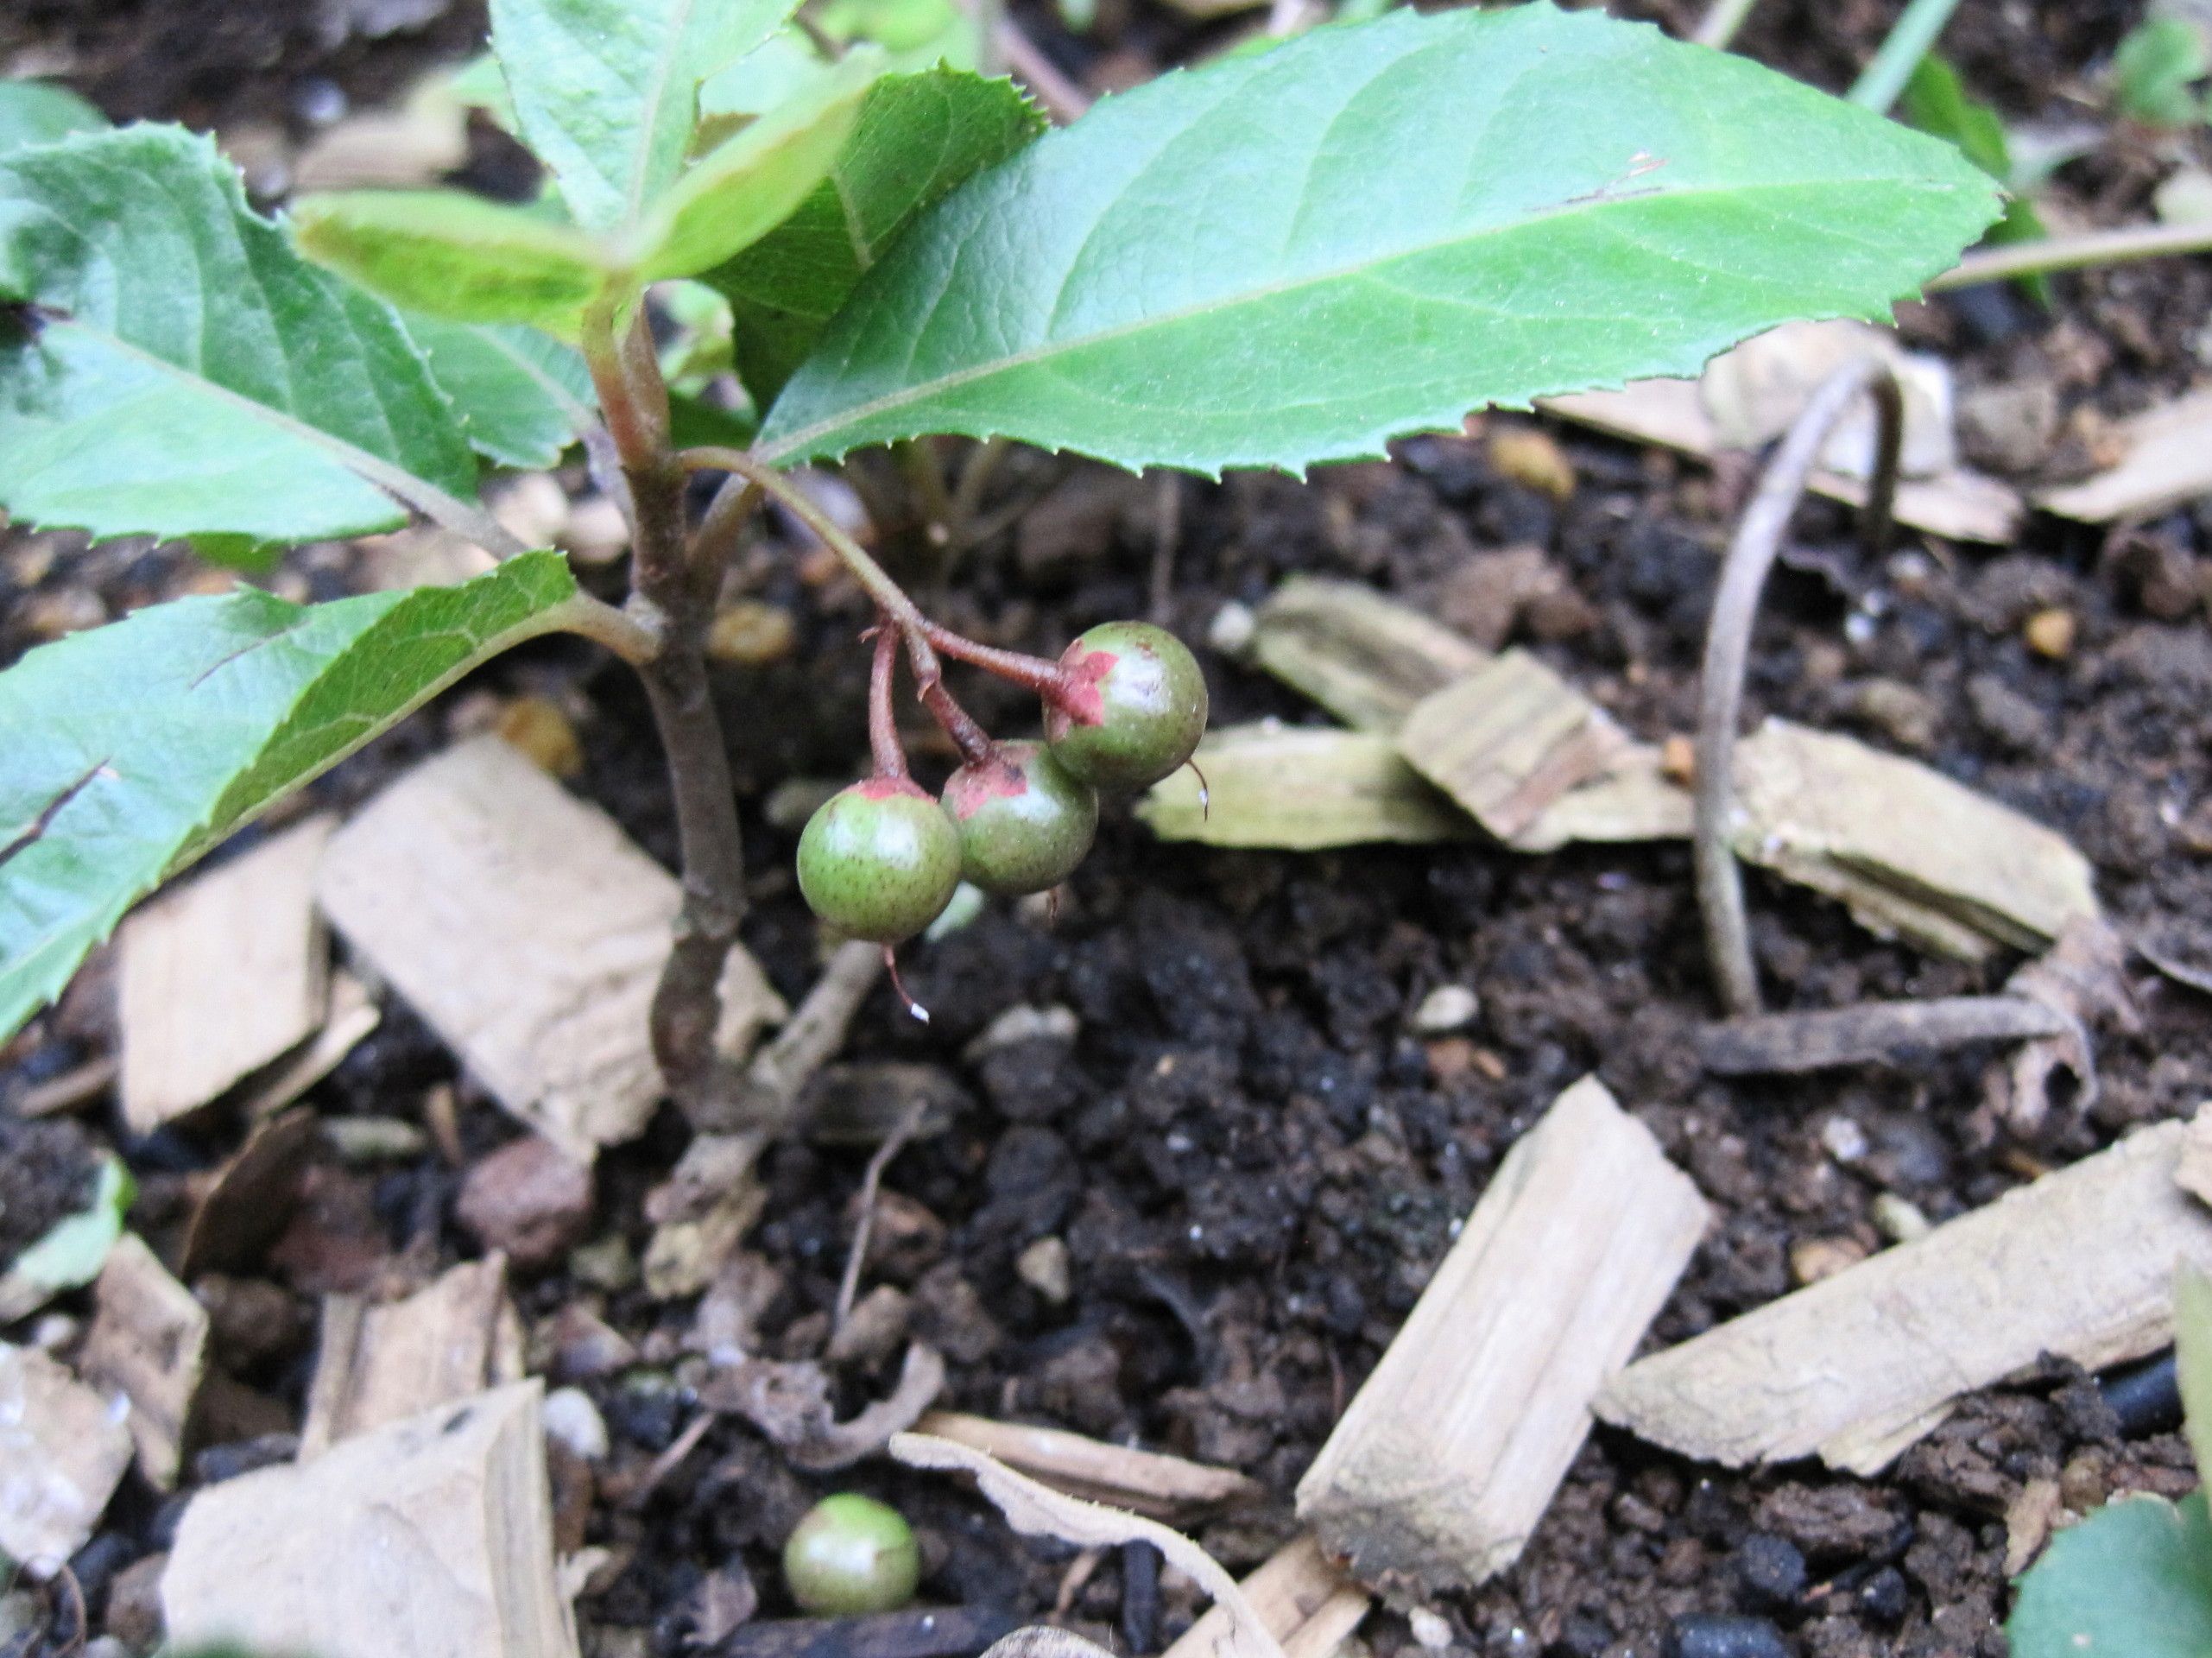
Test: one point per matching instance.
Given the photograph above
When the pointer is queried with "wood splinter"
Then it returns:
(1884, 1033)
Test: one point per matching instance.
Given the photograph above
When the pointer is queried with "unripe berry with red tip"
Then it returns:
(1024, 823)
(1134, 711)
(879, 860)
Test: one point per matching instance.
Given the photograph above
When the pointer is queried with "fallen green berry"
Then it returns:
(1139, 707)
(851, 1554)
(879, 860)
(1024, 823)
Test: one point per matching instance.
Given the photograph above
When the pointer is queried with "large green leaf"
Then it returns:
(1369, 230)
(452, 255)
(523, 398)
(606, 91)
(134, 748)
(918, 136)
(35, 112)
(2133, 1580)
(179, 371)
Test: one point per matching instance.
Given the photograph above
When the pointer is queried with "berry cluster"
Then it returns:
(1124, 705)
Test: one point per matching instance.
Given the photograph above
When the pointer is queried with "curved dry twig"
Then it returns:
(1728, 642)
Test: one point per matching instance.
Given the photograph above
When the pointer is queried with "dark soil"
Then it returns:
(1253, 1162)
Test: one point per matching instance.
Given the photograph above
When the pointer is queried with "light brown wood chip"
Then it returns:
(149, 1342)
(1305, 1601)
(1450, 1452)
(529, 931)
(62, 1450)
(381, 1364)
(1858, 1366)
(1147, 1481)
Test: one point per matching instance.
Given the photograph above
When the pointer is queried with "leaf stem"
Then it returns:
(1721, 21)
(1909, 41)
(635, 641)
(2074, 253)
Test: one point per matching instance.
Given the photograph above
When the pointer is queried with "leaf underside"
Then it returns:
(2133, 1580)
(135, 747)
(35, 112)
(1294, 257)
(523, 398)
(183, 372)
(919, 135)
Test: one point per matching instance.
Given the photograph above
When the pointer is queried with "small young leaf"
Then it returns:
(1936, 101)
(606, 91)
(72, 1251)
(134, 748)
(448, 254)
(34, 112)
(2133, 1580)
(184, 373)
(523, 398)
(2155, 69)
(1369, 230)
(750, 183)
(918, 136)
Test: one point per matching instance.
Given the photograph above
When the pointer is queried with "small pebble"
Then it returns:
(1446, 1008)
(1534, 459)
(220, 1462)
(1023, 1024)
(542, 731)
(1814, 1259)
(529, 1198)
(2051, 633)
(2146, 1399)
(1900, 1219)
(574, 1422)
(362, 1140)
(1707, 1635)
(1430, 1628)
(1845, 1139)
(1044, 1267)
(749, 633)
(1232, 629)
(1884, 1597)
(1771, 1571)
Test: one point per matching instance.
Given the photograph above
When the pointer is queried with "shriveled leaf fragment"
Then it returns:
(1292, 256)
(36, 112)
(1036, 1510)
(449, 254)
(606, 91)
(135, 747)
(523, 399)
(72, 1251)
(918, 136)
(1300, 790)
(184, 373)
(2134, 1578)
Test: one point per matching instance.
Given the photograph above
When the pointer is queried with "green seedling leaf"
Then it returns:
(606, 91)
(1369, 230)
(523, 398)
(448, 254)
(750, 183)
(917, 138)
(2193, 1358)
(2133, 1580)
(2155, 70)
(938, 28)
(1936, 101)
(170, 367)
(34, 112)
(134, 748)
(72, 1251)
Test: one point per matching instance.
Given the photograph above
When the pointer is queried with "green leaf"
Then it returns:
(1936, 101)
(750, 183)
(1370, 230)
(448, 254)
(606, 91)
(134, 748)
(33, 112)
(184, 373)
(918, 137)
(2193, 1358)
(2133, 1580)
(2155, 68)
(523, 398)
(72, 1251)
(695, 423)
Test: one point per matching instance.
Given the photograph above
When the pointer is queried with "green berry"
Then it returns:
(851, 1554)
(1024, 823)
(1138, 709)
(879, 860)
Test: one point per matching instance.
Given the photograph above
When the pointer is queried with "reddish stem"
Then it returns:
(883, 725)
(972, 740)
(1047, 679)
